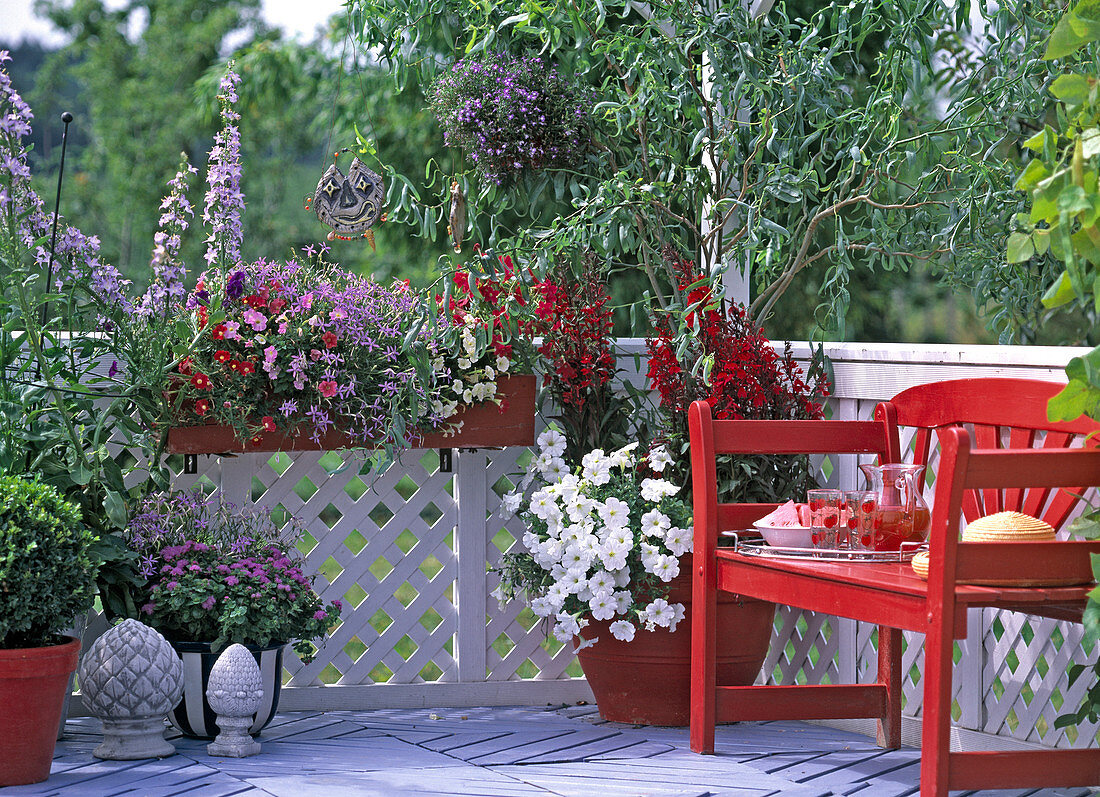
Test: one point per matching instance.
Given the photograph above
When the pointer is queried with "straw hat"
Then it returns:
(1008, 527)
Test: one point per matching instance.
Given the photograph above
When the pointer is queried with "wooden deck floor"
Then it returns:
(497, 752)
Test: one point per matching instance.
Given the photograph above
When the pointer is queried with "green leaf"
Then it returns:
(1059, 293)
(115, 505)
(1077, 27)
(1072, 89)
(1020, 247)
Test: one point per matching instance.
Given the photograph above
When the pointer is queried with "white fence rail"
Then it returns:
(408, 552)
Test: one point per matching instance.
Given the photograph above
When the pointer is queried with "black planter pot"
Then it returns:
(193, 716)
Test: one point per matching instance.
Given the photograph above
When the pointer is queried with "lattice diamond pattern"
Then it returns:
(519, 647)
(387, 546)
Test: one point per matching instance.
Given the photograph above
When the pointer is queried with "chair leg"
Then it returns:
(704, 654)
(935, 743)
(889, 675)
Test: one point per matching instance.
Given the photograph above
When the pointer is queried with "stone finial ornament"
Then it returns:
(234, 692)
(130, 679)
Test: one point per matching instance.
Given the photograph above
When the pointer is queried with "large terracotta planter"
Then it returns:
(483, 426)
(647, 681)
(32, 691)
(193, 716)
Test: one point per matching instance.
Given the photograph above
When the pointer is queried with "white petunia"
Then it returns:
(622, 630)
(679, 541)
(544, 607)
(602, 581)
(666, 568)
(622, 599)
(655, 523)
(621, 576)
(678, 612)
(623, 458)
(613, 559)
(603, 608)
(653, 490)
(503, 364)
(555, 470)
(621, 538)
(542, 504)
(596, 467)
(614, 512)
(659, 613)
(552, 442)
(659, 458)
(510, 503)
(576, 559)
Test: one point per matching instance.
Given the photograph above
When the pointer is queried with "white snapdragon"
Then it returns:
(659, 458)
(622, 630)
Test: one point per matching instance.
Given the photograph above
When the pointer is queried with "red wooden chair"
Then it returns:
(997, 451)
(708, 439)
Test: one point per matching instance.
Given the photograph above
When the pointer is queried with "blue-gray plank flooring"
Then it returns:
(498, 752)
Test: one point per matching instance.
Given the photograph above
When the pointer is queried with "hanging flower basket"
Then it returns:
(483, 425)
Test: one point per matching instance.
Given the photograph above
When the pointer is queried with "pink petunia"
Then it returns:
(327, 388)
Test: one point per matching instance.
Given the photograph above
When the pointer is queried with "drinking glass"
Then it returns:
(825, 506)
(859, 519)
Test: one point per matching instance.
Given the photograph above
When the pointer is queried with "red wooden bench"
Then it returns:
(997, 452)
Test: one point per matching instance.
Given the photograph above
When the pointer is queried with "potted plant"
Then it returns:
(47, 576)
(217, 574)
(511, 114)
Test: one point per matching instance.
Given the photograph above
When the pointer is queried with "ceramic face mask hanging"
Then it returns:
(350, 205)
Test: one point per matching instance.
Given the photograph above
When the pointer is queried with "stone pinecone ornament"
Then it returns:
(234, 692)
(130, 679)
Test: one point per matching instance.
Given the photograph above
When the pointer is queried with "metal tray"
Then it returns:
(757, 547)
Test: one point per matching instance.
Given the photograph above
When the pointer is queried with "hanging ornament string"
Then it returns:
(351, 204)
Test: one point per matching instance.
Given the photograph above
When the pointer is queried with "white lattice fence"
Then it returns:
(409, 552)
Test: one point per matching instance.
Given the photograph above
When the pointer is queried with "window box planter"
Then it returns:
(483, 426)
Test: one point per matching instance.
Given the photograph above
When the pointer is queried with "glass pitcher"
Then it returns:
(901, 513)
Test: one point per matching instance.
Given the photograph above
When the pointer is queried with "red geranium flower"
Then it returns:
(330, 340)
(218, 332)
(202, 406)
(269, 423)
(327, 388)
(221, 356)
(201, 381)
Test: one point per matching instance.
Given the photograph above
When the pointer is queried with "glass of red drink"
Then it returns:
(825, 518)
(859, 514)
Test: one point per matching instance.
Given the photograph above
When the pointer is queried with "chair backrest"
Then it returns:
(964, 470)
(710, 438)
(999, 413)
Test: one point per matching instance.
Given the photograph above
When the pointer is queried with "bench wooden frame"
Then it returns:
(1008, 472)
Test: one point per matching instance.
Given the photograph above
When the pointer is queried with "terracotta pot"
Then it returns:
(483, 426)
(193, 716)
(32, 691)
(647, 681)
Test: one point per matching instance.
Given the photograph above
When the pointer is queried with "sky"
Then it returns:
(296, 17)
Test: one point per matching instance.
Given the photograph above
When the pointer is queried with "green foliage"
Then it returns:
(47, 575)
(835, 154)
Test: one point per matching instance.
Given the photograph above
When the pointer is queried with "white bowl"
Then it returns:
(786, 536)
